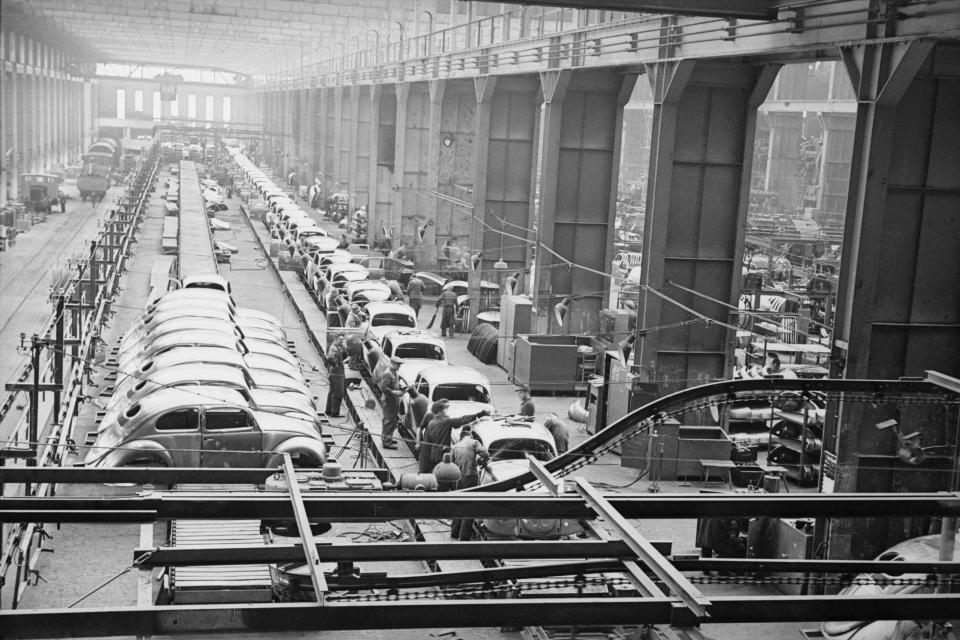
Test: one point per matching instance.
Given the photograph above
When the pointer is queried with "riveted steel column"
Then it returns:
(353, 123)
(15, 116)
(553, 88)
(329, 141)
(339, 171)
(394, 219)
(697, 199)
(484, 87)
(310, 132)
(898, 307)
(430, 204)
(373, 147)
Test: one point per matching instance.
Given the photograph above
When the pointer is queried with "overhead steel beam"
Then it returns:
(412, 614)
(184, 556)
(352, 507)
(748, 9)
(80, 515)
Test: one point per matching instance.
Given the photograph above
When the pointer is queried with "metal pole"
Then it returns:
(948, 539)
(58, 356)
(92, 289)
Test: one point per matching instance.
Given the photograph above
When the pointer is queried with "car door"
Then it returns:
(231, 438)
(179, 432)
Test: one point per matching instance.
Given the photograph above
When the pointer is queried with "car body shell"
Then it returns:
(387, 317)
(130, 362)
(509, 441)
(921, 549)
(137, 340)
(213, 375)
(175, 427)
(467, 390)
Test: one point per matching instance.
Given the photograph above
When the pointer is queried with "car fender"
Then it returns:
(132, 449)
(295, 445)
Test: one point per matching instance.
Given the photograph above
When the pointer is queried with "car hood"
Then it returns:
(505, 469)
(381, 331)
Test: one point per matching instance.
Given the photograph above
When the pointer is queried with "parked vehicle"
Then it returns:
(417, 349)
(203, 427)
(388, 268)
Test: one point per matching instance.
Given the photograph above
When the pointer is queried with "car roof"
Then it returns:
(341, 267)
(450, 374)
(192, 337)
(197, 355)
(389, 306)
(366, 285)
(197, 372)
(414, 335)
(165, 399)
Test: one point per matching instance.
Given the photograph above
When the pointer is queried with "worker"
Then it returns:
(336, 354)
(344, 241)
(720, 536)
(390, 400)
(469, 455)
(3, 237)
(400, 253)
(527, 408)
(353, 317)
(436, 437)
(510, 284)
(63, 202)
(415, 295)
(447, 303)
(771, 368)
(419, 406)
(561, 437)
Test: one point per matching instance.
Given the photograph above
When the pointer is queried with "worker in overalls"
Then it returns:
(336, 354)
(448, 307)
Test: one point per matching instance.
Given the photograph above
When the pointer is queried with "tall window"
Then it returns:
(226, 109)
(175, 106)
(192, 106)
(157, 108)
(138, 101)
(121, 104)
(208, 108)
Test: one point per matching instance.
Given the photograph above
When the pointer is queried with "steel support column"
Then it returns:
(329, 140)
(699, 186)
(429, 206)
(394, 220)
(553, 88)
(310, 134)
(373, 140)
(898, 308)
(339, 135)
(353, 132)
(484, 87)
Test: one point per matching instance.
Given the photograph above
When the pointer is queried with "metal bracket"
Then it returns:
(306, 536)
(553, 485)
(942, 380)
(695, 603)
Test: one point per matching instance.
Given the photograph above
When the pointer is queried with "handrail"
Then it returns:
(647, 416)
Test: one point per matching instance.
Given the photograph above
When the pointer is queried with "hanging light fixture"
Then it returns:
(501, 263)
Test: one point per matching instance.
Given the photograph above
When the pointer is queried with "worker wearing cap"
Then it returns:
(447, 302)
(336, 354)
(436, 437)
(469, 455)
(415, 295)
(527, 408)
(390, 401)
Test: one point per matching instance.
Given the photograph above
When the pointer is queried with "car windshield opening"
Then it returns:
(393, 320)
(421, 351)
(461, 392)
(518, 448)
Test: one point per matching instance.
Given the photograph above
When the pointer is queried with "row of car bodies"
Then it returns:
(389, 329)
(203, 382)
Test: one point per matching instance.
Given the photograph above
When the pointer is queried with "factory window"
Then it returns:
(138, 101)
(157, 109)
(121, 104)
(175, 107)
(192, 106)
(226, 109)
(208, 108)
